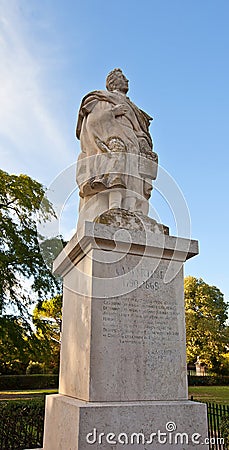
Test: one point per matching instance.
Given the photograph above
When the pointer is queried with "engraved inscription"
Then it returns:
(140, 277)
(138, 320)
(147, 317)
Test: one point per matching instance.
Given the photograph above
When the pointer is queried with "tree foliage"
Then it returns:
(15, 346)
(206, 328)
(22, 204)
(24, 347)
(47, 318)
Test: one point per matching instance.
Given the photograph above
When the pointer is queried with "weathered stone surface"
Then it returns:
(123, 334)
(116, 146)
(123, 365)
(95, 235)
(76, 425)
(128, 346)
(121, 218)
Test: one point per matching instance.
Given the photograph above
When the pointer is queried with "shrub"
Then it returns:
(225, 430)
(15, 382)
(34, 368)
(12, 368)
(211, 380)
(21, 424)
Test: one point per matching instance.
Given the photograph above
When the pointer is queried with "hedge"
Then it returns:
(22, 424)
(44, 381)
(225, 430)
(17, 382)
(211, 380)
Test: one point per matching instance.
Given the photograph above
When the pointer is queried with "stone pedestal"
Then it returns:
(123, 364)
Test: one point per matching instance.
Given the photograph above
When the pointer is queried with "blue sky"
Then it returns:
(175, 54)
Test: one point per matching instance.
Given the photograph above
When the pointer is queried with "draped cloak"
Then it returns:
(111, 145)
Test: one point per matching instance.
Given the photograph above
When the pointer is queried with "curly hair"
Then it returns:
(112, 78)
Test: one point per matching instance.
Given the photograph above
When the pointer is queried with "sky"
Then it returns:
(175, 54)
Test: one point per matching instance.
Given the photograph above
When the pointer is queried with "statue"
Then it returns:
(117, 158)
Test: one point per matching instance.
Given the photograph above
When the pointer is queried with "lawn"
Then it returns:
(216, 394)
(12, 395)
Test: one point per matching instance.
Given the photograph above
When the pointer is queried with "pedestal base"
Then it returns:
(123, 381)
(71, 424)
(123, 329)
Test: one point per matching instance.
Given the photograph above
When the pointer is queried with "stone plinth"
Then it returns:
(73, 424)
(124, 338)
(123, 364)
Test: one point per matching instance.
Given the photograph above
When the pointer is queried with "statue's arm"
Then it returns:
(108, 108)
(99, 110)
(120, 110)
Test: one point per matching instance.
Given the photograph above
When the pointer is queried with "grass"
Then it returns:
(34, 391)
(214, 394)
(25, 394)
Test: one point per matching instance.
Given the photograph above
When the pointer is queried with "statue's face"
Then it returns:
(121, 83)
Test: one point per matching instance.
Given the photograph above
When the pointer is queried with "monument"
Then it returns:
(123, 377)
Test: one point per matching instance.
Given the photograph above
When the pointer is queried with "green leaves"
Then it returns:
(22, 204)
(206, 330)
(22, 424)
(25, 270)
(47, 318)
(14, 345)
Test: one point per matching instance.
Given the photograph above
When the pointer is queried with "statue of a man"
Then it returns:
(116, 148)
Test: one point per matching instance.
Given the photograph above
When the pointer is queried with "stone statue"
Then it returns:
(117, 158)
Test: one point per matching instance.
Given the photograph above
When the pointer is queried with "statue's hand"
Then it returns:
(120, 110)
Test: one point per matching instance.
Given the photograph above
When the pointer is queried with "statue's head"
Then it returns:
(116, 81)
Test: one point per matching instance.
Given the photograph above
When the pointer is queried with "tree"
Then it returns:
(206, 329)
(47, 318)
(22, 203)
(15, 350)
(24, 349)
